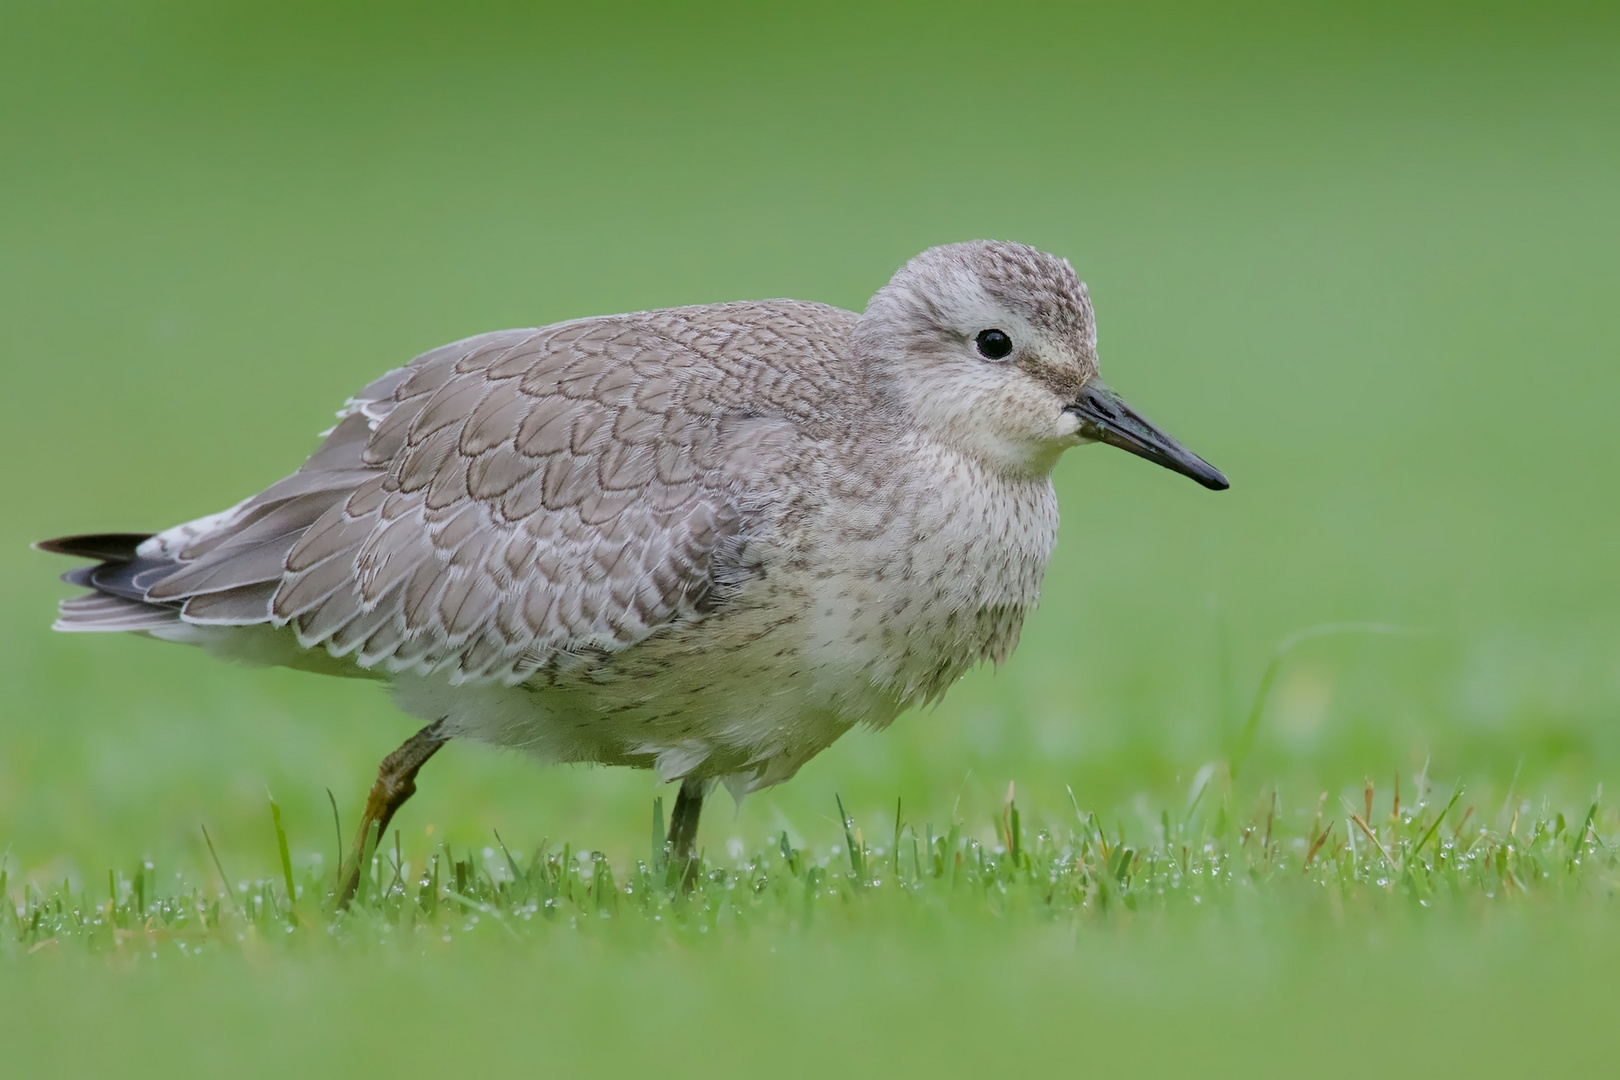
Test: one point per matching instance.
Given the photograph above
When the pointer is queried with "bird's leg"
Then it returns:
(396, 782)
(683, 827)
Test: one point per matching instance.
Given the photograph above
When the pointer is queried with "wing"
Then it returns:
(510, 501)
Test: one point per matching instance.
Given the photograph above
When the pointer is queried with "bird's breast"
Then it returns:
(925, 573)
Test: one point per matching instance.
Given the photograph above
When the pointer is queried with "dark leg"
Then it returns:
(396, 782)
(683, 827)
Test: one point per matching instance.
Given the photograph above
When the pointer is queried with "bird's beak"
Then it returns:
(1105, 418)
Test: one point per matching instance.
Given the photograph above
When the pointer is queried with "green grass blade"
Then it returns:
(1435, 827)
(285, 852)
(856, 860)
(230, 892)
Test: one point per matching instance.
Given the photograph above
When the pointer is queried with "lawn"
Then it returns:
(1361, 261)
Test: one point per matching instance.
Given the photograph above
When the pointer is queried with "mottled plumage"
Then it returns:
(706, 540)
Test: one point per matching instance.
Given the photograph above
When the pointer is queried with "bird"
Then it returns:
(705, 541)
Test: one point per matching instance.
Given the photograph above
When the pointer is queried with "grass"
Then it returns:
(1362, 260)
(1420, 930)
(1348, 862)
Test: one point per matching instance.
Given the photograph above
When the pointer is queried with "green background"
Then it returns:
(1361, 258)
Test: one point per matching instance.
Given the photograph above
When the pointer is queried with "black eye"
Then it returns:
(993, 344)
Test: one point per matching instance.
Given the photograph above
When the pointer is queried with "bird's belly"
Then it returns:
(739, 698)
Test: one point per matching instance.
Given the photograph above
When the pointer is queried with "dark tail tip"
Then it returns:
(105, 547)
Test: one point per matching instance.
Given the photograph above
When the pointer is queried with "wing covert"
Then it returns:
(531, 498)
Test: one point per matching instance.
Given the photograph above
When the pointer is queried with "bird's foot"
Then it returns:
(396, 782)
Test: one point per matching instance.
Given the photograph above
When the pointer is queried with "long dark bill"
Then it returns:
(1105, 418)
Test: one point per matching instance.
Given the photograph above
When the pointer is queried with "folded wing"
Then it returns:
(513, 500)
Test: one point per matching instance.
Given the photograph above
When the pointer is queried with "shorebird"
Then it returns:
(704, 540)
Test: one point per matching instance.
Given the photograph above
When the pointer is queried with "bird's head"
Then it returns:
(992, 348)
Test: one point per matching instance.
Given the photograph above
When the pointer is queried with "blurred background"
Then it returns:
(1363, 260)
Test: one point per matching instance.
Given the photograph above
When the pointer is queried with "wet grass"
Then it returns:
(1434, 851)
(1236, 934)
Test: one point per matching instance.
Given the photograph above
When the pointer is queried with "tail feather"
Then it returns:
(101, 613)
(117, 604)
(103, 547)
(130, 580)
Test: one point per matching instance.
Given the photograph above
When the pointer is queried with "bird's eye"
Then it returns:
(993, 344)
